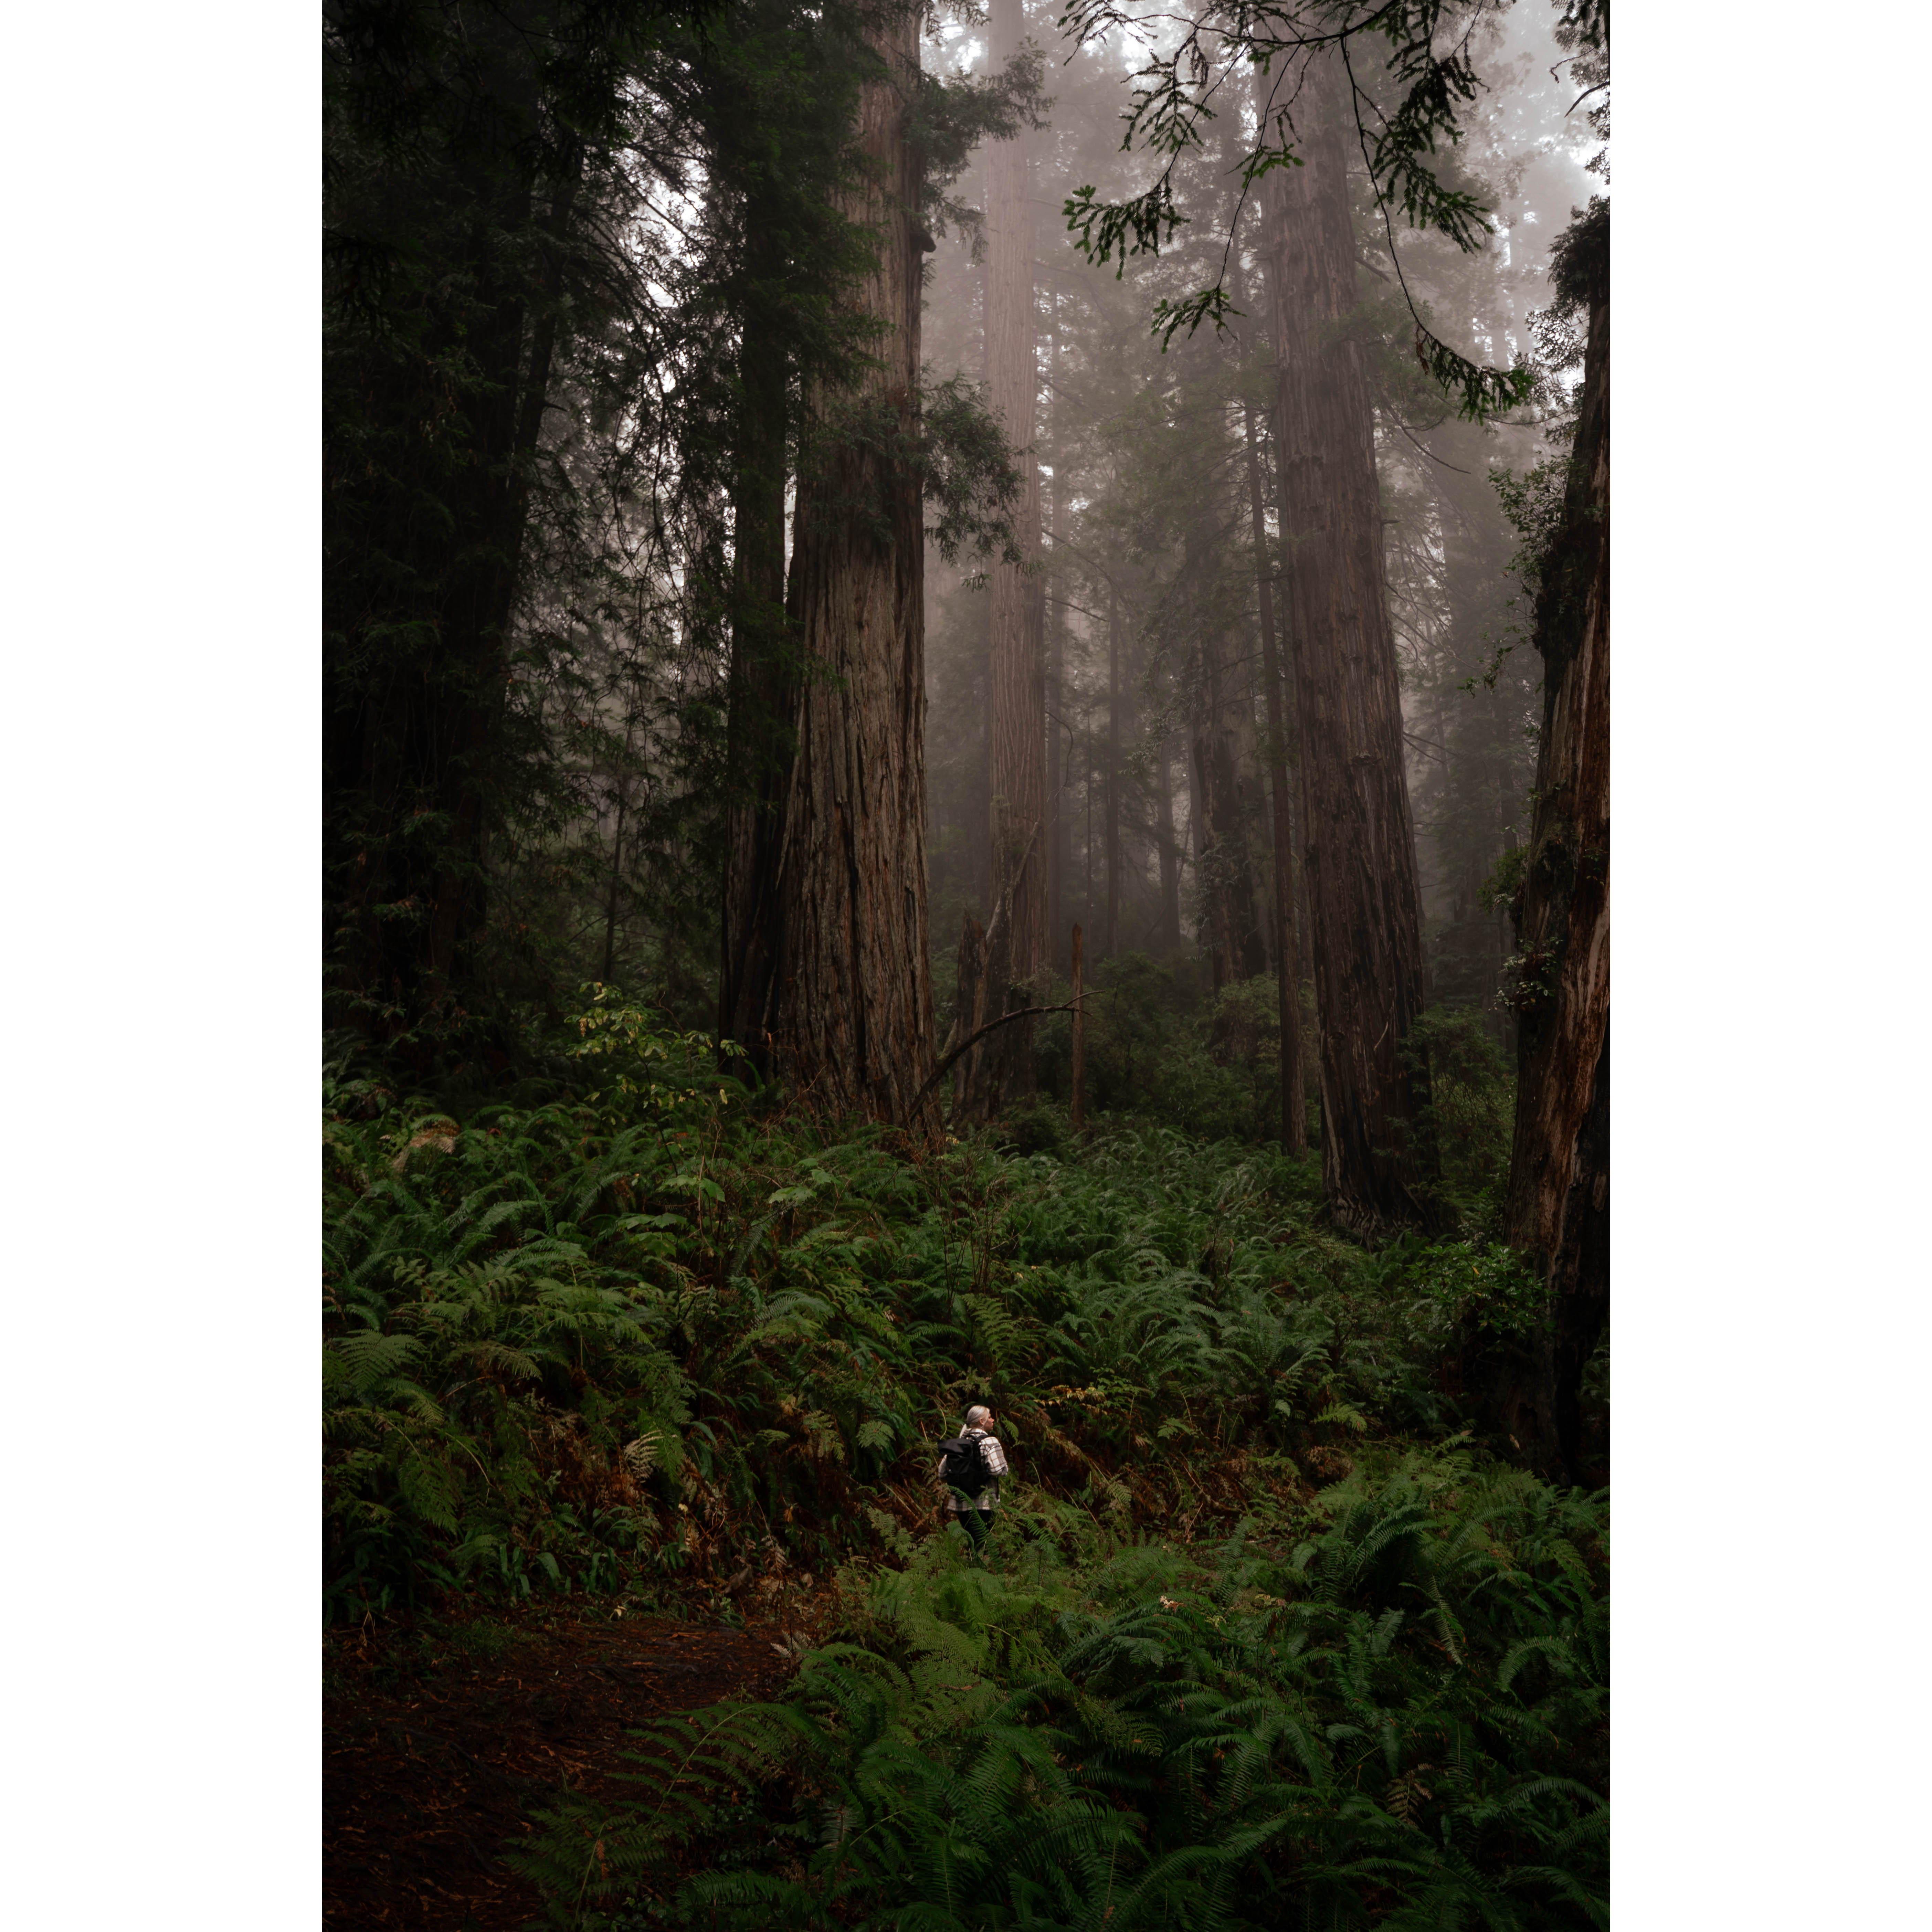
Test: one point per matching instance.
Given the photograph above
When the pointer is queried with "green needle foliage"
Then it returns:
(1410, 84)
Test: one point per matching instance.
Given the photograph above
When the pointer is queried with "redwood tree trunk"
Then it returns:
(1169, 846)
(1230, 924)
(1287, 955)
(763, 691)
(1019, 692)
(1364, 906)
(851, 1007)
(1111, 945)
(1558, 1210)
(1053, 703)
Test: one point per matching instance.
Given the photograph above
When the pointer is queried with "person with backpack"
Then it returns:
(970, 1465)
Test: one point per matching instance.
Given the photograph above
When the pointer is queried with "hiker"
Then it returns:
(970, 1465)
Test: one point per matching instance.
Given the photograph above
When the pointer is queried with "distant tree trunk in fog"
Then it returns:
(1055, 629)
(1287, 958)
(850, 1020)
(1056, 782)
(1077, 1106)
(762, 687)
(617, 860)
(1086, 776)
(1111, 944)
(1168, 847)
(1558, 1208)
(969, 1010)
(1019, 698)
(1363, 902)
(1231, 925)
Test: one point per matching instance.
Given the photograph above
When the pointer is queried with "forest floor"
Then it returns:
(440, 1739)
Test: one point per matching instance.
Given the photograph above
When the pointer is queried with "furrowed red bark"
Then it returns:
(851, 1021)
(1364, 903)
(1559, 1206)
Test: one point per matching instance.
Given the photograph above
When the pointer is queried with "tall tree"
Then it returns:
(1287, 953)
(459, 258)
(779, 165)
(1016, 929)
(763, 683)
(1220, 753)
(1282, 753)
(850, 1010)
(1110, 943)
(1558, 1208)
(1167, 845)
(1361, 868)
(1053, 645)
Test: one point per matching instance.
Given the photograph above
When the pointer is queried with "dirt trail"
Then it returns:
(433, 1755)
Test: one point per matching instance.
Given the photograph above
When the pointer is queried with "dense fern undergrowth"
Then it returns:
(1389, 1713)
(1267, 1636)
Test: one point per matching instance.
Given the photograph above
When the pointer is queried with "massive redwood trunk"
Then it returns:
(1559, 1211)
(1017, 691)
(848, 1021)
(1364, 904)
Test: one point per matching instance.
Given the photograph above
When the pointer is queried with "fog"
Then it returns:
(1145, 513)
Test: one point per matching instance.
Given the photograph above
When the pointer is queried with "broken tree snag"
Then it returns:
(1364, 901)
(852, 1025)
(1558, 1209)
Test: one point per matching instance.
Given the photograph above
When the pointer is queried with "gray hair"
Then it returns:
(978, 1416)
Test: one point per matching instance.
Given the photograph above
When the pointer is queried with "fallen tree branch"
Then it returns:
(973, 1039)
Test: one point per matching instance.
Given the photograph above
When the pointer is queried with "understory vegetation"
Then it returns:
(1267, 1634)
(1388, 1708)
(645, 1330)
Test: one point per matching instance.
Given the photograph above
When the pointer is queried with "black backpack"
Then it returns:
(962, 1465)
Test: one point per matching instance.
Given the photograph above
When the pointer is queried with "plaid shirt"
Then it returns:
(994, 1459)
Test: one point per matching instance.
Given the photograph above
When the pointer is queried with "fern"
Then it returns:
(1139, 1742)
